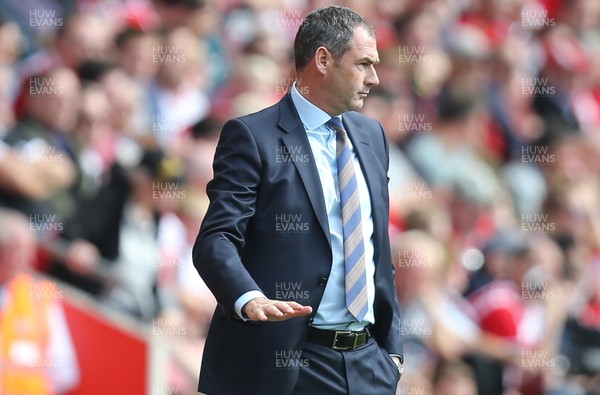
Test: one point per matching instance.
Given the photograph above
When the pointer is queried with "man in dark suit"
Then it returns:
(294, 245)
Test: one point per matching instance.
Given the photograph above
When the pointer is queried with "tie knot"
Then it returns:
(336, 123)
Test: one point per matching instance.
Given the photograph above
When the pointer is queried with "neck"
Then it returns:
(314, 92)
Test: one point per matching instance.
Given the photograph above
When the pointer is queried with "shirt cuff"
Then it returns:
(399, 356)
(245, 298)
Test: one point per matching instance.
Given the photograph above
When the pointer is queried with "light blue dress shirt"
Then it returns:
(332, 312)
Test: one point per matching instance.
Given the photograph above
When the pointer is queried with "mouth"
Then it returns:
(363, 94)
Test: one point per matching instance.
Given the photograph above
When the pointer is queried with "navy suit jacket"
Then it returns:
(246, 243)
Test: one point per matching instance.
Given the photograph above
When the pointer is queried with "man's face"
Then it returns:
(60, 110)
(354, 74)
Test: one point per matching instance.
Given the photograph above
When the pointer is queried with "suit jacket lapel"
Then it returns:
(295, 137)
(369, 164)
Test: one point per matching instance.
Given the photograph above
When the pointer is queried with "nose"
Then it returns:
(371, 78)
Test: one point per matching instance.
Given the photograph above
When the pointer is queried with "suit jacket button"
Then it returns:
(310, 321)
(323, 281)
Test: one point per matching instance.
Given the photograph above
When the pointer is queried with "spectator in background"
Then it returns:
(100, 192)
(42, 136)
(437, 321)
(249, 88)
(511, 98)
(574, 195)
(130, 113)
(174, 14)
(130, 84)
(469, 49)
(198, 150)
(176, 99)
(95, 136)
(515, 128)
(19, 176)
(186, 301)
(130, 117)
(582, 334)
(506, 306)
(83, 36)
(136, 49)
(553, 294)
(206, 24)
(446, 158)
(178, 283)
(433, 312)
(36, 352)
(427, 336)
(11, 43)
(424, 64)
(122, 221)
(386, 106)
(555, 89)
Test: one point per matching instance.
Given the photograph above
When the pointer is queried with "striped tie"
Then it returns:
(354, 249)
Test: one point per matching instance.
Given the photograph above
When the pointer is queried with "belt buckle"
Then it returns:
(342, 348)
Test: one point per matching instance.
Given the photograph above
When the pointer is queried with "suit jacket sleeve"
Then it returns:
(233, 193)
(394, 340)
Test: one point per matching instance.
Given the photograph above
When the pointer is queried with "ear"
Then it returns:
(323, 59)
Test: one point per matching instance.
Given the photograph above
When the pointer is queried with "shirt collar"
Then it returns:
(311, 116)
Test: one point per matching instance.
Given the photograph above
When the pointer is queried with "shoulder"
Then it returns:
(362, 120)
(264, 126)
(267, 116)
(371, 130)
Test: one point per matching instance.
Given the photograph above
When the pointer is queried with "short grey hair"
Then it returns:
(330, 27)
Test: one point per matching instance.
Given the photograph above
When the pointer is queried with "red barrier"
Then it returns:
(112, 360)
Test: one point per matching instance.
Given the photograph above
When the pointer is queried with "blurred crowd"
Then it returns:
(110, 111)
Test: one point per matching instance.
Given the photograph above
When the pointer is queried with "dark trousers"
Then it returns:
(367, 370)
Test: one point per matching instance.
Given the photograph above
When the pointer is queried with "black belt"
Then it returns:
(338, 340)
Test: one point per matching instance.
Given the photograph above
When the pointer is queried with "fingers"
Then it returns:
(292, 309)
(298, 306)
(299, 310)
(254, 309)
(259, 315)
(278, 311)
(262, 309)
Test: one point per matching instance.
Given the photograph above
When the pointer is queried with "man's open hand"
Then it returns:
(263, 309)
